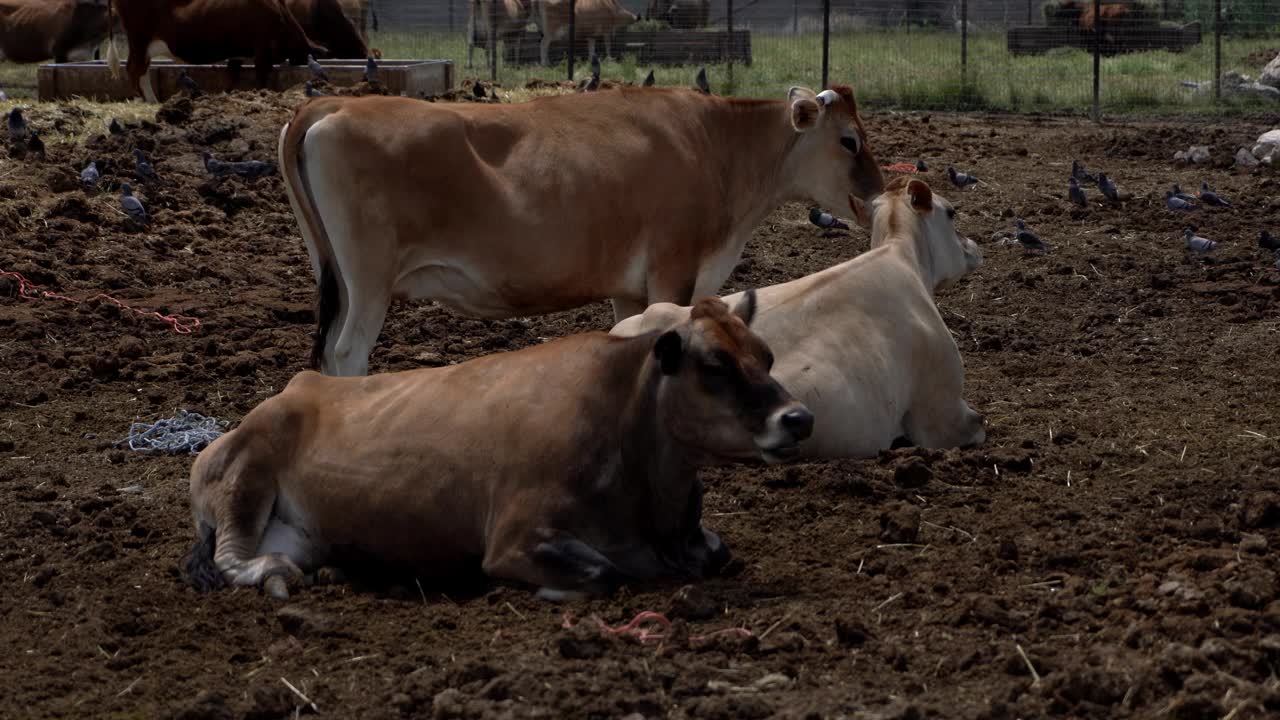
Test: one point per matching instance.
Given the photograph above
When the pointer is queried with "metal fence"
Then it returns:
(1084, 56)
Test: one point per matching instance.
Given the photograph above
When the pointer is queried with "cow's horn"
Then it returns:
(826, 97)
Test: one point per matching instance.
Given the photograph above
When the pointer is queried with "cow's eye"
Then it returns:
(850, 143)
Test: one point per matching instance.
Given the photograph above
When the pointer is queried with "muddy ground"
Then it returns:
(1117, 532)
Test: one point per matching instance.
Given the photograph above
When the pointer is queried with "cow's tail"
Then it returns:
(113, 55)
(298, 188)
(198, 565)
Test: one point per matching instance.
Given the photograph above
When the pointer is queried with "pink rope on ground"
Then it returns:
(27, 290)
(644, 635)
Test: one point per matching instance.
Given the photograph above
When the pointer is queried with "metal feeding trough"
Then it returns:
(59, 81)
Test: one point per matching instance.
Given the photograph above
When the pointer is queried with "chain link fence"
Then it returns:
(1081, 56)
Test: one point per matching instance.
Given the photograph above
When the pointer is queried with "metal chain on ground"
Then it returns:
(186, 432)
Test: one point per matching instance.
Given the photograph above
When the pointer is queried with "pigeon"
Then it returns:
(1076, 193)
(1081, 175)
(34, 143)
(825, 220)
(115, 128)
(132, 205)
(143, 167)
(89, 176)
(1177, 192)
(960, 179)
(1211, 198)
(1278, 259)
(17, 125)
(704, 87)
(310, 90)
(477, 90)
(3, 96)
(648, 80)
(1195, 243)
(186, 83)
(371, 70)
(921, 167)
(1108, 187)
(1266, 242)
(248, 168)
(317, 70)
(1176, 203)
(1028, 239)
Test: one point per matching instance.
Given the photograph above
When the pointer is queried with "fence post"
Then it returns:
(451, 18)
(826, 41)
(964, 43)
(1097, 61)
(795, 17)
(1028, 12)
(493, 40)
(1217, 51)
(729, 43)
(573, 32)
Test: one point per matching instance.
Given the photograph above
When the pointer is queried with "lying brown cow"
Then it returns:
(640, 195)
(570, 466)
(208, 31)
(593, 20)
(326, 23)
(36, 30)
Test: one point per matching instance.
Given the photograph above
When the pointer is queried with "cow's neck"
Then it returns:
(656, 470)
(757, 139)
(916, 248)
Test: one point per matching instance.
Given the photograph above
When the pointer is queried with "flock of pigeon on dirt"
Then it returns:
(28, 139)
(1175, 200)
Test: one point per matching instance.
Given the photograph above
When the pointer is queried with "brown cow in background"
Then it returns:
(209, 31)
(513, 17)
(36, 30)
(357, 11)
(593, 20)
(327, 23)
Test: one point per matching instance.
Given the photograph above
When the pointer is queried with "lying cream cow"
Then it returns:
(570, 466)
(862, 344)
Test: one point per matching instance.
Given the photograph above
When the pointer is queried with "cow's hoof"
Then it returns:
(276, 587)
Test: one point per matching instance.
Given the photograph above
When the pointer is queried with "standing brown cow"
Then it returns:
(208, 31)
(357, 11)
(593, 19)
(513, 17)
(325, 22)
(36, 30)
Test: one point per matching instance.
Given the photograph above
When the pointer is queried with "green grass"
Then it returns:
(917, 70)
(890, 69)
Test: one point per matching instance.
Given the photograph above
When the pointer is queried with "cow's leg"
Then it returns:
(561, 567)
(939, 417)
(591, 47)
(137, 65)
(706, 554)
(544, 48)
(253, 546)
(360, 328)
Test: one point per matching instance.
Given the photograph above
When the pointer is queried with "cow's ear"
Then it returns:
(670, 351)
(805, 109)
(921, 196)
(746, 308)
(861, 211)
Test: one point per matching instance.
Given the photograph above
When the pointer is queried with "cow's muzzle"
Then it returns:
(786, 428)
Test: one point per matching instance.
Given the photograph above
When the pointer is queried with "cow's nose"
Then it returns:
(799, 423)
